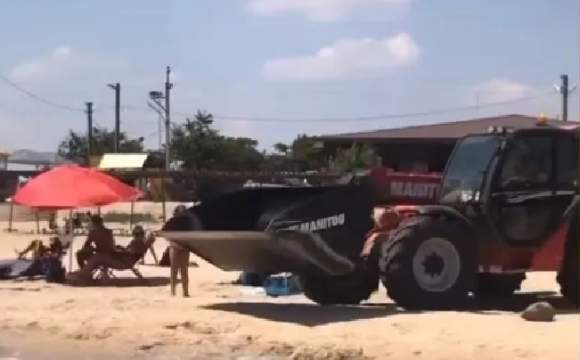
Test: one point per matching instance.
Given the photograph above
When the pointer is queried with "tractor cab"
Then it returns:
(503, 209)
(514, 185)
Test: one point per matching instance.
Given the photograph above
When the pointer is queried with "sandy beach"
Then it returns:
(223, 321)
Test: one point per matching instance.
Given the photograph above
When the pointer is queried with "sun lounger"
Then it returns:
(108, 272)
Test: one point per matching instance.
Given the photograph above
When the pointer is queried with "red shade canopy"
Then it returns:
(71, 186)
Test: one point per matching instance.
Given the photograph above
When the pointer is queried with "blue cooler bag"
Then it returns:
(281, 285)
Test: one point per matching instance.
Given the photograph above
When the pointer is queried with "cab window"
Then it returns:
(528, 162)
(567, 161)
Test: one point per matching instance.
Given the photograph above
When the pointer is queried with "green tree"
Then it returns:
(201, 147)
(195, 142)
(241, 154)
(282, 148)
(302, 154)
(74, 146)
(354, 158)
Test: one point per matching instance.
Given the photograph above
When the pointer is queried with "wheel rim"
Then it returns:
(436, 265)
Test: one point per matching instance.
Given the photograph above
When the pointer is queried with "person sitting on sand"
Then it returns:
(120, 258)
(55, 248)
(36, 248)
(100, 240)
(149, 239)
(46, 260)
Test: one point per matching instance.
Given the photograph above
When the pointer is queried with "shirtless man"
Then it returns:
(99, 240)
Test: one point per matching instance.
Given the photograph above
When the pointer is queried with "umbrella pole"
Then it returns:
(131, 216)
(72, 235)
(10, 214)
(11, 210)
(37, 218)
(163, 199)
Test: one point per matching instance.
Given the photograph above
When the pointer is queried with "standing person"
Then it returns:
(99, 240)
(179, 260)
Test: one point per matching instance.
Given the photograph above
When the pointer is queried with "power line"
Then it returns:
(367, 118)
(290, 120)
(40, 99)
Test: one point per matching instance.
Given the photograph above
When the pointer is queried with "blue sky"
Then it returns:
(295, 60)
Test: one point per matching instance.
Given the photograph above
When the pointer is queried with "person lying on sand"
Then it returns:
(100, 240)
(120, 258)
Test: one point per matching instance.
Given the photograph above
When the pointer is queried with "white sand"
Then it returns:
(220, 318)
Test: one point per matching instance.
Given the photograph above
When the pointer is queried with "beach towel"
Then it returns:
(51, 269)
(13, 268)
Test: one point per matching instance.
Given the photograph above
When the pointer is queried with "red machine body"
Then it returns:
(395, 188)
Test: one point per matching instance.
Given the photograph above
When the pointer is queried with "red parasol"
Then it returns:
(71, 186)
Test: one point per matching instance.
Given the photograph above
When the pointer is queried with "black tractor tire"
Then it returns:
(498, 285)
(350, 289)
(568, 273)
(423, 246)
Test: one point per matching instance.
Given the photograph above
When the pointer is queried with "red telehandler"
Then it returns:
(506, 204)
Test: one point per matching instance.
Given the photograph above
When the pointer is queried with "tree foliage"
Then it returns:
(356, 157)
(303, 154)
(201, 147)
(74, 146)
(197, 145)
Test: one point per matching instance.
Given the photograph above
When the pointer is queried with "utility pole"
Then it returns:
(117, 88)
(89, 131)
(565, 90)
(565, 93)
(168, 87)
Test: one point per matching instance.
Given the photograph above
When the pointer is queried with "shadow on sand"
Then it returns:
(315, 315)
(124, 282)
(307, 314)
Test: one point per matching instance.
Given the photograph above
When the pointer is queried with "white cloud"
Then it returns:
(498, 90)
(64, 61)
(330, 10)
(40, 67)
(346, 58)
